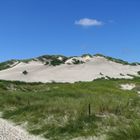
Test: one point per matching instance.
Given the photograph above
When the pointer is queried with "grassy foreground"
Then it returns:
(61, 111)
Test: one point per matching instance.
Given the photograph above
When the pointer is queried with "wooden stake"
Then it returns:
(89, 110)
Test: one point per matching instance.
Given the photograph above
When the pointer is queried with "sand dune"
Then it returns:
(93, 68)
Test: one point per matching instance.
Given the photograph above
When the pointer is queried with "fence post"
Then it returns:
(89, 110)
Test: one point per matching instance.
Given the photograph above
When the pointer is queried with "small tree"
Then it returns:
(25, 72)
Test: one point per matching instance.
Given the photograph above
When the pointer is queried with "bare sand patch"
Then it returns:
(9, 131)
(128, 86)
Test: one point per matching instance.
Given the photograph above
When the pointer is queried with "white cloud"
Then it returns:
(88, 22)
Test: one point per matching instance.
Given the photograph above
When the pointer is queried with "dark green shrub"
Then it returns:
(56, 62)
(101, 73)
(138, 72)
(84, 55)
(77, 61)
(25, 72)
(47, 63)
(122, 74)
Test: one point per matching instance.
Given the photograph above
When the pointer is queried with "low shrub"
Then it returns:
(25, 72)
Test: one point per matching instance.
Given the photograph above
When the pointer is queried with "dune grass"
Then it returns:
(129, 132)
(61, 111)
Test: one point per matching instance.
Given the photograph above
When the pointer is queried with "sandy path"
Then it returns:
(9, 131)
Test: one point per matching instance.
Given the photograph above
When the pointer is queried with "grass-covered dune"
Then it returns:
(65, 111)
(7, 64)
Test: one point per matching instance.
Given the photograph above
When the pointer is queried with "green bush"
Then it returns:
(138, 72)
(56, 62)
(84, 55)
(75, 61)
(25, 72)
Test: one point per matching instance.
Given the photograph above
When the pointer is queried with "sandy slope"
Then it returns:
(8, 131)
(96, 67)
(128, 86)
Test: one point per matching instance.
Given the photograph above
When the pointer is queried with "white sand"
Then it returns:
(128, 86)
(9, 131)
(90, 70)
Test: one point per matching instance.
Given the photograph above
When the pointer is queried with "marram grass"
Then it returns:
(61, 111)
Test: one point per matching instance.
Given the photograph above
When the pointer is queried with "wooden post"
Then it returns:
(89, 110)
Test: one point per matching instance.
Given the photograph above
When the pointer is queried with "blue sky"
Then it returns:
(30, 28)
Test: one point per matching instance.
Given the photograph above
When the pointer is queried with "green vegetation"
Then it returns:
(54, 59)
(27, 60)
(122, 74)
(138, 72)
(131, 132)
(7, 64)
(118, 60)
(25, 72)
(56, 62)
(60, 111)
(84, 55)
(75, 61)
